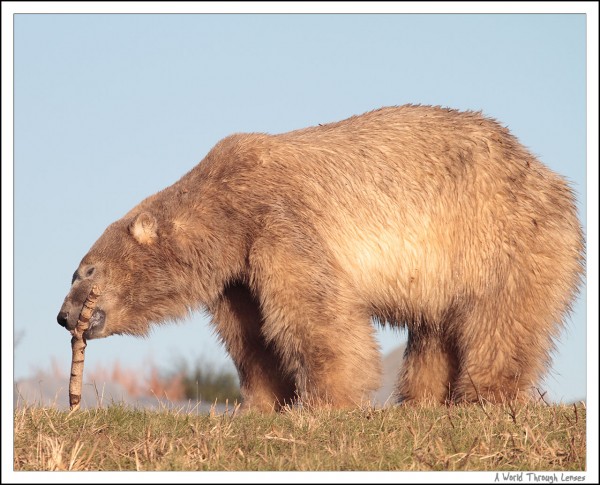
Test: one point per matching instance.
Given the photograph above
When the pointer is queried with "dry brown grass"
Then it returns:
(471, 437)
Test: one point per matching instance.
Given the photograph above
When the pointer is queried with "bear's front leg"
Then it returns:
(238, 320)
(332, 352)
(316, 324)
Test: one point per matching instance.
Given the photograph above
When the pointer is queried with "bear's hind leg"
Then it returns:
(428, 370)
(264, 386)
(502, 354)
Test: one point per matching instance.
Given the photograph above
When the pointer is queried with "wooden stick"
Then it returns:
(78, 345)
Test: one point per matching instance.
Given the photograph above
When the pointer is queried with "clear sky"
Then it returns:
(109, 109)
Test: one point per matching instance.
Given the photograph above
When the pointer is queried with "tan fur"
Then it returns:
(429, 218)
(144, 228)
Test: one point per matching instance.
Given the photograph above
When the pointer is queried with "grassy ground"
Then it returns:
(472, 437)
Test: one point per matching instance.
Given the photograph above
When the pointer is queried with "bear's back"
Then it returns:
(415, 203)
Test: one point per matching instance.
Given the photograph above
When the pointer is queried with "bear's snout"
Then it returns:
(68, 320)
(62, 318)
(67, 317)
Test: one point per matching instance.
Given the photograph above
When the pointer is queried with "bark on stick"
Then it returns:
(78, 345)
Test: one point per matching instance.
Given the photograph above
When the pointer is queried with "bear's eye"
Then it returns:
(90, 272)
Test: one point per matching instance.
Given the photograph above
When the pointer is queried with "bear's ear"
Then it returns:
(143, 228)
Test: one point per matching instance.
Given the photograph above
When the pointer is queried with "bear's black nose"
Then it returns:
(62, 318)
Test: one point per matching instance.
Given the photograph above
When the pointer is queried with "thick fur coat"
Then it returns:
(432, 219)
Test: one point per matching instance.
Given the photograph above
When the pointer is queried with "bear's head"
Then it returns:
(139, 275)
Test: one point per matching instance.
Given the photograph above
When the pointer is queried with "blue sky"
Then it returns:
(109, 109)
